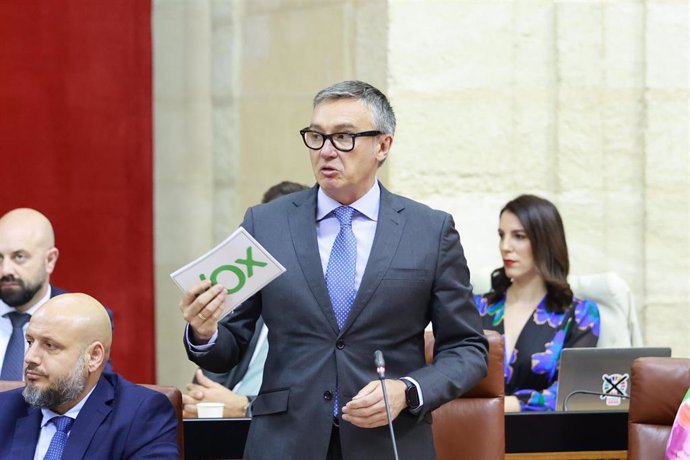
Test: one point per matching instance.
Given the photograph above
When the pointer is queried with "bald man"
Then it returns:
(27, 259)
(70, 408)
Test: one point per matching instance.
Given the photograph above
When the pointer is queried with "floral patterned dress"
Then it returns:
(531, 371)
(678, 447)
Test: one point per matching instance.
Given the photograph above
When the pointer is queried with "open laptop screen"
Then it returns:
(592, 379)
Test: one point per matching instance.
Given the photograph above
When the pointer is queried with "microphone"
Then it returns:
(380, 364)
(381, 371)
(591, 393)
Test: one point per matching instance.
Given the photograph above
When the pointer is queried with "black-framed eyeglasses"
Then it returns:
(344, 142)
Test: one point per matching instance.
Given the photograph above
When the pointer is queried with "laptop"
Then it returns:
(595, 379)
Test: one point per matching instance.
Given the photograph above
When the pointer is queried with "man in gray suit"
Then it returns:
(366, 270)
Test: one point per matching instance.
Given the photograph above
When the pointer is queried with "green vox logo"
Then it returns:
(249, 264)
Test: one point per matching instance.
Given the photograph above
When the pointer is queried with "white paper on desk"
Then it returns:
(239, 263)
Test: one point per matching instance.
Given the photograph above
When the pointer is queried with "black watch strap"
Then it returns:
(411, 395)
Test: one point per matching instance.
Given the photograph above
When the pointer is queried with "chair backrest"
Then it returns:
(175, 397)
(473, 426)
(620, 327)
(172, 393)
(657, 389)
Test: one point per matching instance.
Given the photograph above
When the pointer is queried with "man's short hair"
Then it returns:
(377, 102)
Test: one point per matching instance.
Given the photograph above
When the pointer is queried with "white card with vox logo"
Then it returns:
(239, 263)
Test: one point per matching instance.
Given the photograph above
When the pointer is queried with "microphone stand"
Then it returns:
(381, 371)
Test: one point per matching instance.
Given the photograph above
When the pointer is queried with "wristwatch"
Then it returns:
(411, 395)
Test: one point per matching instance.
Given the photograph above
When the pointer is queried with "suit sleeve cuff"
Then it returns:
(197, 349)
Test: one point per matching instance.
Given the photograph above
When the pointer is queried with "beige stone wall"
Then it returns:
(290, 49)
(198, 168)
(585, 103)
(667, 175)
(184, 164)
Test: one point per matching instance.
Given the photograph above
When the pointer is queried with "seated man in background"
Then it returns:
(27, 259)
(237, 387)
(69, 408)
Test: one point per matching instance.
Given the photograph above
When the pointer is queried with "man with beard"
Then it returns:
(69, 408)
(27, 258)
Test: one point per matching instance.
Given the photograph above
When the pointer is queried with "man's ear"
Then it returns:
(51, 259)
(95, 356)
(384, 147)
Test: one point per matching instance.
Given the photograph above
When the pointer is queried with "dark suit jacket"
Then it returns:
(56, 291)
(416, 273)
(120, 420)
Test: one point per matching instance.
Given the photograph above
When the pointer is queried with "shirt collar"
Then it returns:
(368, 205)
(4, 308)
(72, 413)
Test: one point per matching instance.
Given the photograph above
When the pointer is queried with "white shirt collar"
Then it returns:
(368, 205)
(4, 308)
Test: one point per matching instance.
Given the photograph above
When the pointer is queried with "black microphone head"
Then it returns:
(380, 364)
(378, 359)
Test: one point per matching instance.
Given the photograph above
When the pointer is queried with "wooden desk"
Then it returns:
(555, 435)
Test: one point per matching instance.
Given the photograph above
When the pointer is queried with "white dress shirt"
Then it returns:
(6, 324)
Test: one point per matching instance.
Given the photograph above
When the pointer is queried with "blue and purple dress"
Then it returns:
(531, 371)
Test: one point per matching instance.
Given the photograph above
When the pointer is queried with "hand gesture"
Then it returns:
(201, 307)
(367, 410)
(206, 390)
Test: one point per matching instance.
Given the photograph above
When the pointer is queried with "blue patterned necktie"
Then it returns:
(57, 444)
(340, 275)
(13, 363)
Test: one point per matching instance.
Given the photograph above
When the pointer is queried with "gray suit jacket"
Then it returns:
(416, 273)
(232, 377)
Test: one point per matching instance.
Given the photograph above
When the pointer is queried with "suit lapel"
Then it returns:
(90, 418)
(55, 291)
(26, 434)
(388, 232)
(302, 224)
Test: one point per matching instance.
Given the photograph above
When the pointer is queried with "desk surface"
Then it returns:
(566, 431)
(525, 432)
(215, 438)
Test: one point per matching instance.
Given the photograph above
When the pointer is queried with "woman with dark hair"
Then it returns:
(532, 305)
